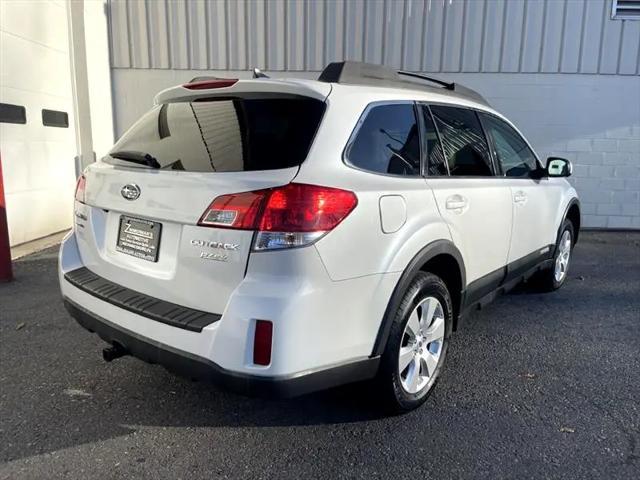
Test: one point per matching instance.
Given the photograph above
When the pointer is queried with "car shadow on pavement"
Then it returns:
(112, 400)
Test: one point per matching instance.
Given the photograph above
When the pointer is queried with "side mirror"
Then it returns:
(559, 167)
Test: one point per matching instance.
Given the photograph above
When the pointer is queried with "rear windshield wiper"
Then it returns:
(140, 158)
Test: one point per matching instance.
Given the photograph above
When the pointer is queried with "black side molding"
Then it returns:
(139, 303)
(485, 289)
(191, 366)
(479, 292)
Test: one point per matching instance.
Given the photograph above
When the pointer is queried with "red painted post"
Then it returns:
(5, 252)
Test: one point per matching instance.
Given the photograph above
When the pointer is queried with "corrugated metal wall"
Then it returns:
(568, 36)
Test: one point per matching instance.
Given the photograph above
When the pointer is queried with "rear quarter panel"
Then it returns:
(359, 246)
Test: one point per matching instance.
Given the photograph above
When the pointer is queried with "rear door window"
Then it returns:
(514, 155)
(463, 140)
(387, 141)
(225, 135)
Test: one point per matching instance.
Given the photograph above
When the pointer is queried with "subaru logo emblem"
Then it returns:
(130, 191)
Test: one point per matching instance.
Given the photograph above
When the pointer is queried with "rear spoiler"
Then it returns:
(257, 73)
(209, 87)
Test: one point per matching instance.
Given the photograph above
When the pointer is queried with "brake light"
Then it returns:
(81, 185)
(262, 341)
(239, 211)
(289, 216)
(208, 84)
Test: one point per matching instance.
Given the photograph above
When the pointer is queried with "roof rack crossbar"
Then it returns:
(360, 73)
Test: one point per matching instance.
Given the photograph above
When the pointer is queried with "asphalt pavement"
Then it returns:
(536, 386)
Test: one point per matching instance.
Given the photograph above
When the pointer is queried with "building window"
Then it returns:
(54, 118)
(12, 113)
(625, 10)
(387, 141)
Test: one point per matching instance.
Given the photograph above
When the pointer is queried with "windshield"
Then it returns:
(222, 135)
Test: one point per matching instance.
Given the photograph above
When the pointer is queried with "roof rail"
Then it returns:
(447, 85)
(360, 73)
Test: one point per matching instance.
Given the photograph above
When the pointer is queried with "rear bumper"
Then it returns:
(139, 303)
(192, 366)
(317, 323)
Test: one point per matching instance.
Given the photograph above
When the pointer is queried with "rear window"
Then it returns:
(226, 135)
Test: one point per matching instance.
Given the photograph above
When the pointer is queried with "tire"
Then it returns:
(552, 278)
(424, 344)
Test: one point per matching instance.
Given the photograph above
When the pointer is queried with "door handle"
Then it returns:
(520, 197)
(456, 202)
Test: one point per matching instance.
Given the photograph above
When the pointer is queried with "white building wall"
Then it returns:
(96, 29)
(562, 70)
(37, 161)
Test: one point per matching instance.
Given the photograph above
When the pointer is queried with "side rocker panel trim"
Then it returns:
(435, 248)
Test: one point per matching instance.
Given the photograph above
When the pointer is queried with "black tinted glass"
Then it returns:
(436, 163)
(387, 141)
(514, 155)
(54, 118)
(12, 113)
(225, 135)
(463, 140)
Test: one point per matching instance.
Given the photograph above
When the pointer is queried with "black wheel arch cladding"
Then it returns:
(430, 252)
(424, 284)
(573, 214)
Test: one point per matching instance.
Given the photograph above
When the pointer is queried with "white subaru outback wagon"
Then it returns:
(285, 236)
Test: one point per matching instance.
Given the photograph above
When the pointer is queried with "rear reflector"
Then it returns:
(262, 342)
(208, 84)
(289, 216)
(81, 186)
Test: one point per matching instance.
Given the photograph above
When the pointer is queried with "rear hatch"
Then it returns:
(138, 223)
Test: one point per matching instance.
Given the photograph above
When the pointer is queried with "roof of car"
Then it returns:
(344, 75)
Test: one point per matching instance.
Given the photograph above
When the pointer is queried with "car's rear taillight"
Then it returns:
(80, 188)
(239, 211)
(293, 215)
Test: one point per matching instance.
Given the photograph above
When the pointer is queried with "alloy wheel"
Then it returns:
(421, 347)
(562, 260)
